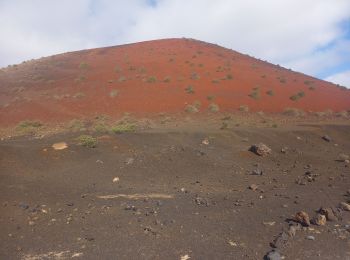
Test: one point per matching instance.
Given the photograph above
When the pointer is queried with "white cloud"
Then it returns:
(288, 32)
(342, 78)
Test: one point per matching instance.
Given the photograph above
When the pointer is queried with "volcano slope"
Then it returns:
(156, 162)
(164, 76)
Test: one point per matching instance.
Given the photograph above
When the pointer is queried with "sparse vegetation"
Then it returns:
(117, 69)
(166, 79)
(87, 141)
(76, 125)
(194, 108)
(28, 126)
(83, 65)
(113, 93)
(255, 94)
(290, 111)
(215, 81)
(195, 76)
(229, 76)
(270, 93)
(121, 79)
(213, 108)
(80, 79)
(297, 96)
(123, 127)
(151, 79)
(79, 95)
(243, 108)
(210, 97)
(189, 89)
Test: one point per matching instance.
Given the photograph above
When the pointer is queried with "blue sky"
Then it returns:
(309, 36)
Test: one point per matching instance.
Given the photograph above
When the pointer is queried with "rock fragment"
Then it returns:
(260, 149)
(319, 220)
(273, 255)
(344, 206)
(326, 138)
(302, 218)
(328, 212)
(253, 187)
(280, 241)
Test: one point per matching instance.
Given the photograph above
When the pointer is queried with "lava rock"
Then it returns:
(260, 149)
(257, 172)
(344, 206)
(328, 212)
(303, 218)
(280, 241)
(319, 220)
(273, 255)
(326, 138)
(253, 187)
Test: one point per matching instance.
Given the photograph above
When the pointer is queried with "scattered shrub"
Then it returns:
(270, 93)
(101, 127)
(166, 79)
(255, 93)
(117, 69)
(122, 79)
(191, 109)
(87, 141)
(79, 95)
(297, 96)
(290, 111)
(243, 108)
(113, 93)
(123, 127)
(213, 108)
(83, 65)
(76, 125)
(189, 89)
(210, 97)
(195, 76)
(229, 76)
(151, 79)
(28, 126)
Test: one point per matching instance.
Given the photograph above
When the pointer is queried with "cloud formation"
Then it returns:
(305, 35)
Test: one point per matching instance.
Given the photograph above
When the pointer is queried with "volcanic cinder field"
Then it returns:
(171, 149)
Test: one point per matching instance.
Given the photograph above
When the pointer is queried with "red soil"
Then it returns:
(77, 84)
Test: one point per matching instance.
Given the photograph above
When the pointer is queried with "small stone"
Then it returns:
(260, 149)
(205, 141)
(284, 150)
(60, 146)
(273, 255)
(130, 207)
(201, 201)
(23, 206)
(326, 138)
(115, 179)
(310, 238)
(319, 220)
(129, 161)
(328, 212)
(343, 157)
(280, 240)
(303, 218)
(293, 230)
(257, 171)
(344, 206)
(253, 187)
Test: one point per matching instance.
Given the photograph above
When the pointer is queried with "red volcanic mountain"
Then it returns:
(171, 76)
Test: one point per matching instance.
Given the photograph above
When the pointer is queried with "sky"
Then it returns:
(309, 36)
